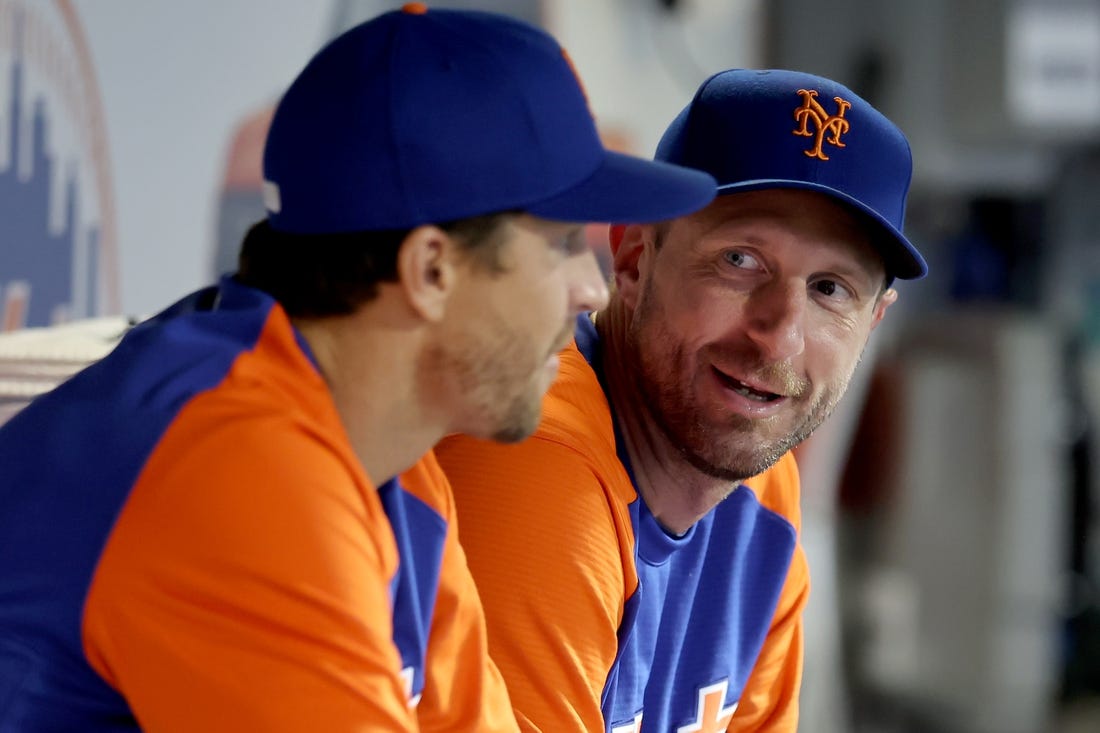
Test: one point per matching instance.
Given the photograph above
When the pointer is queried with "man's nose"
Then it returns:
(776, 317)
(588, 289)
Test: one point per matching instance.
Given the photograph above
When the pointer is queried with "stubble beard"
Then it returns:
(732, 449)
(502, 399)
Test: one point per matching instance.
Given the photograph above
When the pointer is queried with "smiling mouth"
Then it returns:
(746, 391)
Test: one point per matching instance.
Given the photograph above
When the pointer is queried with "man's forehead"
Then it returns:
(811, 211)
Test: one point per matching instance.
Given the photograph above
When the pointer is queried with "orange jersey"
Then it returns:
(189, 543)
(601, 621)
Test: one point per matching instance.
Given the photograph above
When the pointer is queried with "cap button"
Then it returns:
(414, 8)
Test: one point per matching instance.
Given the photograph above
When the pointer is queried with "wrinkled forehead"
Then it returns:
(812, 216)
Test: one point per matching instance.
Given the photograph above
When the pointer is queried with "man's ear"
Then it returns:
(630, 256)
(615, 237)
(885, 300)
(426, 270)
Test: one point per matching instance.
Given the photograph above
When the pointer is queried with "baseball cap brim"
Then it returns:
(901, 258)
(625, 188)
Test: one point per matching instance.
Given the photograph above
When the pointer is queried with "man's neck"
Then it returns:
(377, 402)
(676, 493)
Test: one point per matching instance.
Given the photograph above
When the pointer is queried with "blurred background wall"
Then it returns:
(950, 504)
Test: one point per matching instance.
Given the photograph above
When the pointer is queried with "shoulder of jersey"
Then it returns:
(575, 410)
(778, 488)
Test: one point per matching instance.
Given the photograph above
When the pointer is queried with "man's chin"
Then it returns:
(750, 454)
(511, 434)
(520, 424)
(736, 469)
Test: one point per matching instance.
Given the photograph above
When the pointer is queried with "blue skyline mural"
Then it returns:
(30, 253)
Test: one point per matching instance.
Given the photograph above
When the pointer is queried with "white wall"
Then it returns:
(642, 64)
(175, 78)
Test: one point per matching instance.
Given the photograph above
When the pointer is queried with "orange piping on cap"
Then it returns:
(414, 8)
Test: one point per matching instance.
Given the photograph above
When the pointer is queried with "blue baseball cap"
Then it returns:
(758, 129)
(425, 116)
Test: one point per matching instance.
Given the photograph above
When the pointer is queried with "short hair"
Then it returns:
(314, 275)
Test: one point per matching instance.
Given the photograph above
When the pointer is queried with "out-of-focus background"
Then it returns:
(950, 504)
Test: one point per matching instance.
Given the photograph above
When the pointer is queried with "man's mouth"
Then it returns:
(745, 390)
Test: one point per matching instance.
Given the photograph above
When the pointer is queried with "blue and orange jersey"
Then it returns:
(598, 618)
(188, 542)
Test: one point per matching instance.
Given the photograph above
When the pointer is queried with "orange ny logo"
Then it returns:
(823, 123)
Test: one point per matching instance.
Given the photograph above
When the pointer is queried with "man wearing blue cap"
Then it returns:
(233, 522)
(638, 558)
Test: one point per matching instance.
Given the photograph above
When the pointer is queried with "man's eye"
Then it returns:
(832, 289)
(741, 259)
